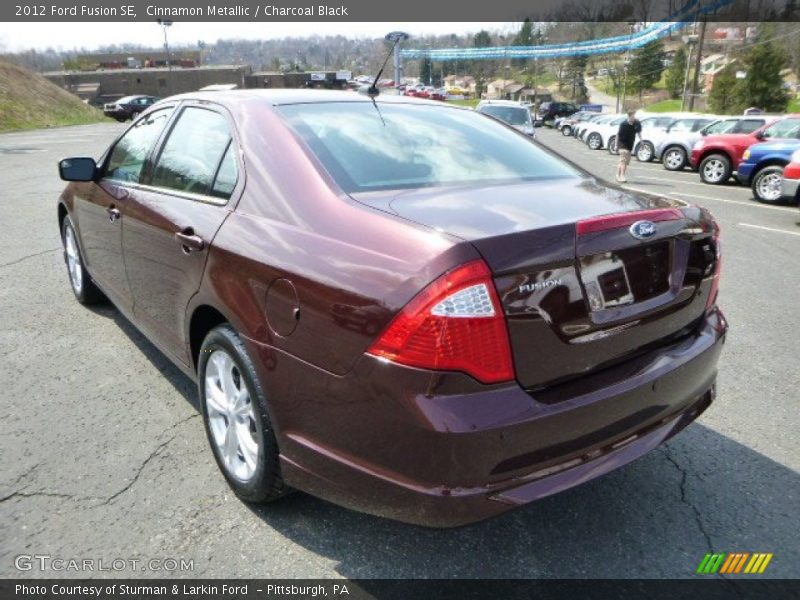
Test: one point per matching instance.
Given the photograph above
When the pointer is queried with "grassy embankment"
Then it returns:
(29, 101)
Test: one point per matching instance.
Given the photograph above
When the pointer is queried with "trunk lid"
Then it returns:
(580, 291)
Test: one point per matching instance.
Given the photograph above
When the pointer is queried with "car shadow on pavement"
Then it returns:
(182, 384)
(656, 517)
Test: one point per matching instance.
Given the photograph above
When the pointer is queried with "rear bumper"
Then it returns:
(789, 188)
(441, 450)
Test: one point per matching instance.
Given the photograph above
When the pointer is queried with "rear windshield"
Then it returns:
(389, 146)
(513, 115)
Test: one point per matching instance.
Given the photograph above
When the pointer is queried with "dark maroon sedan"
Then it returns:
(400, 306)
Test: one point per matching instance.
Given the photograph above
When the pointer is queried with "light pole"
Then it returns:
(396, 37)
(164, 24)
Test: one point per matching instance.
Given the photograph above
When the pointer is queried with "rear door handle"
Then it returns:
(189, 241)
(113, 213)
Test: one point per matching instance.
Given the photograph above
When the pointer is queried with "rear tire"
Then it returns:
(766, 184)
(594, 141)
(238, 426)
(645, 151)
(85, 290)
(612, 145)
(674, 158)
(715, 169)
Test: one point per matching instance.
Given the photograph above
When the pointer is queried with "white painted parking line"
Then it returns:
(752, 204)
(701, 184)
(769, 229)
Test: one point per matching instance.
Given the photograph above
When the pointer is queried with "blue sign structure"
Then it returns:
(681, 18)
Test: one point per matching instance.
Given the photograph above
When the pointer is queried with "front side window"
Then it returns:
(192, 153)
(726, 126)
(366, 146)
(785, 128)
(130, 152)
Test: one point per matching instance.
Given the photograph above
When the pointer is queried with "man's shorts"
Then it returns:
(624, 156)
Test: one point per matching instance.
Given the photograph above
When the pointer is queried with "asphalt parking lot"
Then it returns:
(104, 454)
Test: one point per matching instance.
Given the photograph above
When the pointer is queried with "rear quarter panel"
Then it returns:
(351, 267)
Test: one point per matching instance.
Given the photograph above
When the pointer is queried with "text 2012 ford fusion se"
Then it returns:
(403, 307)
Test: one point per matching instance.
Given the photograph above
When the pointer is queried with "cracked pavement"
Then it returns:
(104, 455)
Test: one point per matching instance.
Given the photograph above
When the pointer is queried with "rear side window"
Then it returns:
(193, 152)
(749, 125)
(227, 175)
(131, 151)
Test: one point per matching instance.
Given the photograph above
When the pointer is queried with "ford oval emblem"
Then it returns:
(642, 230)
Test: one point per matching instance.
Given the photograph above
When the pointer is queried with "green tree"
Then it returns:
(722, 97)
(576, 67)
(480, 68)
(646, 67)
(676, 73)
(525, 37)
(426, 70)
(763, 84)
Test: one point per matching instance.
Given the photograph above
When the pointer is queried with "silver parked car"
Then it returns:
(675, 148)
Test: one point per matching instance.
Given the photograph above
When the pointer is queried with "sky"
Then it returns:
(66, 36)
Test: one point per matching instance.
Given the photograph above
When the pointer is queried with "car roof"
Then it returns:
(279, 97)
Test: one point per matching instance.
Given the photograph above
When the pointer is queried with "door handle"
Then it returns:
(189, 241)
(113, 214)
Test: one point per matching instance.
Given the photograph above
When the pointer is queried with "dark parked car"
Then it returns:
(400, 306)
(550, 111)
(128, 107)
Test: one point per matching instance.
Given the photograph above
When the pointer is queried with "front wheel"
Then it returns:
(566, 130)
(237, 422)
(644, 152)
(85, 290)
(594, 141)
(674, 159)
(715, 169)
(767, 184)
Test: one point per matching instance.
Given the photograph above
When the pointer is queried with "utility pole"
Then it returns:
(626, 60)
(697, 61)
(690, 41)
(164, 24)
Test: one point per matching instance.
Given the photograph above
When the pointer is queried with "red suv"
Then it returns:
(716, 156)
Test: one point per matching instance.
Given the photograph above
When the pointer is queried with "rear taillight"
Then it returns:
(714, 291)
(454, 324)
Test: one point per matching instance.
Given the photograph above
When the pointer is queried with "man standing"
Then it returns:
(626, 140)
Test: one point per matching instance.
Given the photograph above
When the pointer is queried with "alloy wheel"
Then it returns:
(674, 159)
(74, 265)
(769, 187)
(714, 170)
(230, 416)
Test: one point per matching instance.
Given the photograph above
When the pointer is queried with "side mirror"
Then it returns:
(704, 133)
(760, 135)
(77, 169)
